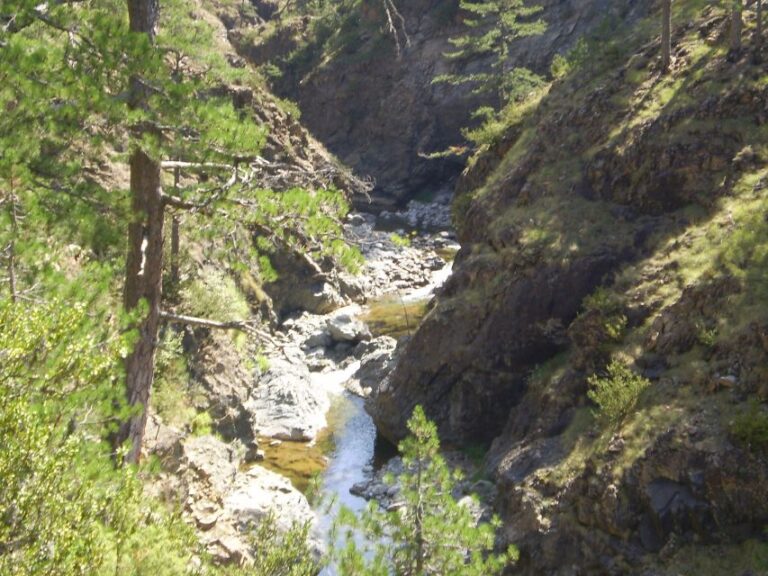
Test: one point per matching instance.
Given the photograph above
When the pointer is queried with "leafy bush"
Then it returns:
(617, 393)
(560, 67)
(202, 424)
(171, 394)
(400, 241)
(215, 296)
(281, 553)
(412, 541)
(65, 508)
(610, 307)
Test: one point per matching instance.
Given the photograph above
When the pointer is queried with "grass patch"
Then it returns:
(750, 557)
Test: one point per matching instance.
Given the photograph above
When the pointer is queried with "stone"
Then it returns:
(211, 460)
(253, 453)
(319, 339)
(223, 501)
(375, 364)
(259, 492)
(226, 381)
(299, 287)
(344, 328)
(162, 441)
(285, 405)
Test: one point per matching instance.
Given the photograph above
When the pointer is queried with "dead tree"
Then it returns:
(396, 26)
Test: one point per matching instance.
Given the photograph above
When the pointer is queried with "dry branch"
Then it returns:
(240, 325)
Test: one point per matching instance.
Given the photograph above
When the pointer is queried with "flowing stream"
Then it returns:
(347, 451)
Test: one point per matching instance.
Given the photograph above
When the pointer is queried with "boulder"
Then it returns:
(285, 405)
(301, 286)
(224, 502)
(344, 328)
(377, 359)
(226, 382)
(258, 492)
(162, 441)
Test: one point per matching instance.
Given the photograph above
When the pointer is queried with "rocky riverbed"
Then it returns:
(273, 421)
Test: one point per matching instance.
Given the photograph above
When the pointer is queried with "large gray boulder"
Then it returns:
(345, 328)
(285, 404)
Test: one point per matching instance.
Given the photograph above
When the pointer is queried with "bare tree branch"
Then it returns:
(240, 325)
(393, 19)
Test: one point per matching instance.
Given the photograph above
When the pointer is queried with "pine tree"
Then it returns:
(83, 80)
(431, 533)
(493, 26)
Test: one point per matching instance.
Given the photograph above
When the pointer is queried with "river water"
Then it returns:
(347, 451)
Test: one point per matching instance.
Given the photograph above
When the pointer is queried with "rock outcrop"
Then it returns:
(379, 113)
(604, 227)
(224, 502)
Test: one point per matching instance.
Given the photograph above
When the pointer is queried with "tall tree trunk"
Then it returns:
(144, 263)
(666, 35)
(736, 27)
(759, 32)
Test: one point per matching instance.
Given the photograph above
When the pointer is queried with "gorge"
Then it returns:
(567, 274)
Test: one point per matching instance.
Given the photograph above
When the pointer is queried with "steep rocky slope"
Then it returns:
(380, 113)
(621, 217)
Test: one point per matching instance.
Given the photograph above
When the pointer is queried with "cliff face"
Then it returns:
(379, 113)
(621, 217)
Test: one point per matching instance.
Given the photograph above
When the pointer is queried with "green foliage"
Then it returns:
(706, 336)
(172, 396)
(281, 552)
(65, 509)
(492, 26)
(412, 540)
(610, 307)
(560, 67)
(215, 295)
(603, 49)
(262, 363)
(751, 427)
(201, 424)
(400, 241)
(320, 234)
(616, 394)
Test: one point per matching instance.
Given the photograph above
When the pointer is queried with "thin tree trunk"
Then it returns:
(175, 247)
(144, 264)
(12, 211)
(666, 35)
(419, 517)
(759, 32)
(175, 239)
(736, 27)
